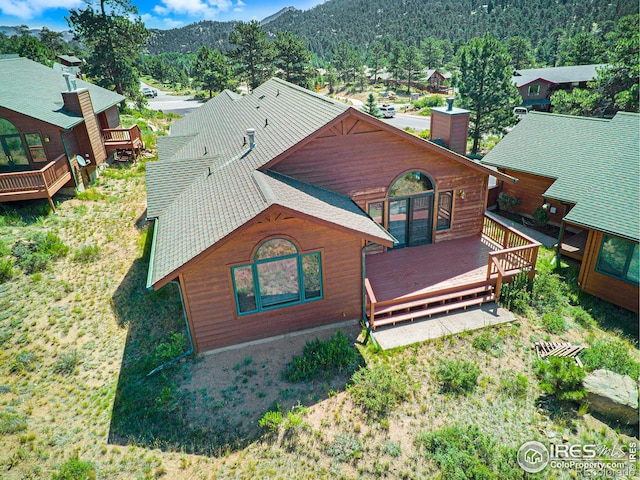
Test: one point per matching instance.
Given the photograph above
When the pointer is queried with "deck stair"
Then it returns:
(431, 303)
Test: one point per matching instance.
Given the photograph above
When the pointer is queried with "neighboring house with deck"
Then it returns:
(49, 119)
(585, 171)
(536, 85)
(284, 210)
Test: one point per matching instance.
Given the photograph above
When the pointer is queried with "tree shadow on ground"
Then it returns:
(167, 410)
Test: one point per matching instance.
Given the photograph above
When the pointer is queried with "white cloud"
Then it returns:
(152, 21)
(206, 9)
(27, 9)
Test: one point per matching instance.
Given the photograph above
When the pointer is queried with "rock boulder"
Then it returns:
(613, 395)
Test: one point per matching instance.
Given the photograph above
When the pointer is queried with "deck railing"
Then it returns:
(124, 135)
(519, 252)
(43, 179)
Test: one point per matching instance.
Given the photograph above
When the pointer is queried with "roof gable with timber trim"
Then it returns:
(595, 163)
(366, 124)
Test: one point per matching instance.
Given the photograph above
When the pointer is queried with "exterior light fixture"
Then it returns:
(462, 193)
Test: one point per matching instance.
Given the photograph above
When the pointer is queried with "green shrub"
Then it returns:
(271, 420)
(611, 354)
(91, 194)
(75, 469)
(377, 390)
(561, 376)
(457, 376)
(4, 249)
(550, 293)
(429, 101)
(345, 447)
(24, 361)
(12, 423)
(584, 318)
(489, 342)
(507, 202)
(516, 296)
(86, 253)
(6, 269)
(323, 358)
(391, 448)
(540, 216)
(426, 134)
(35, 254)
(168, 349)
(66, 363)
(514, 384)
(464, 452)
(554, 323)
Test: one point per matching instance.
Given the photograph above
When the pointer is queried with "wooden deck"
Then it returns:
(573, 244)
(33, 184)
(428, 268)
(123, 139)
(416, 282)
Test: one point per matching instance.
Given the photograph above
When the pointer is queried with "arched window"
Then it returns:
(7, 128)
(411, 183)
(279, 276)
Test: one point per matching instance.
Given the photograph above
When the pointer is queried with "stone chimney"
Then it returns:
(88, 134)
(450, 125)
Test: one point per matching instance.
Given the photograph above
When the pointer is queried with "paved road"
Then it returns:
(180, 104)
(416, 122)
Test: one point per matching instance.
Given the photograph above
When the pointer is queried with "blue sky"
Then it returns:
(155, 13)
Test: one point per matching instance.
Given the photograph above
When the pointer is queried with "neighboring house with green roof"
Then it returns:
(265, 207)
(536, 85)
(585, 172)
(47, 120)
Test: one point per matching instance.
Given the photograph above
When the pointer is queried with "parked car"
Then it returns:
(520, 112)
(149, 92)
(387, 111)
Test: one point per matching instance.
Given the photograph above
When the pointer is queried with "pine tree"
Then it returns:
(485, 86)
(371, 106)
(521, 52)
(253, 54)
(114, 36)
(411, 63)
(375, 58)
(292, 58)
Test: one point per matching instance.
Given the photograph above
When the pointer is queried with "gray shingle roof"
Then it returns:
(215, 201)
(35, 90)
(596, 163)
(569, 74)
(166, 180)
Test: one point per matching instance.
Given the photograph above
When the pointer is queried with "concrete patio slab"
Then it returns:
(403, 334)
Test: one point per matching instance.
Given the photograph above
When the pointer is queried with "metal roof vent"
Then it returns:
(251, 133)
(68, 80)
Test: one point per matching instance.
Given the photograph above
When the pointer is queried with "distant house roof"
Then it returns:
(595, 163)
(35, 90)
(570, 74)
(70, 59)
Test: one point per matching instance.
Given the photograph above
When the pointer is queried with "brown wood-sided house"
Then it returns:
(49, 119)
(284, 210)
(536, 85)
(584, 171)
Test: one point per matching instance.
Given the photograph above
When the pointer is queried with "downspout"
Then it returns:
(184, 308)
(186, 322)
(364, 298)
(556, 258)
(66, 152)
